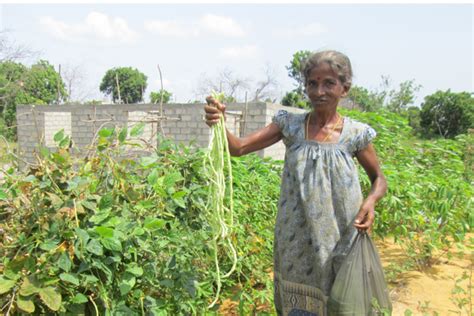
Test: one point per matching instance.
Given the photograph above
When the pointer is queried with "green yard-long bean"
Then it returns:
(220, 208)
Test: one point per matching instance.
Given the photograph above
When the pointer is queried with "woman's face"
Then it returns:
(323, 87)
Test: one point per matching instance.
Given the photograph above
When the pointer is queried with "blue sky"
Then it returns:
(431, 43)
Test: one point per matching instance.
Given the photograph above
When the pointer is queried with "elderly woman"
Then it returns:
(321, 205)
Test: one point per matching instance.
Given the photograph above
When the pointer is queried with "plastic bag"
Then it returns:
(359, 288)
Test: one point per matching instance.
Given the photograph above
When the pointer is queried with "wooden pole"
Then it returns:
(59, 83)
(118, 88)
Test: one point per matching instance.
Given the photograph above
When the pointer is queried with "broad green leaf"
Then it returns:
(25, 304)
(106, 132)
(44, 151)
(51, 298)
(6, 285)
(95, 247)
(59, 136)
(154, 223)
(82, 234)
(179, 194)
(137, 130)
(138, 231)
(135, 270)
(105, 232)
(68, 277)
(48, 245)
(152, 177)
(90, 279)
(106, 201)
(59, 158)
(148, 160)
(111, 244)
(127, 283)
(29, 286)
(64, 143)
(191, 287)
(100, 216)
(167, 283)
(64, 262)
(13, 268)
(72, 185)
(180, 202)
(123, 134)
(172, 178)
(89, 205)
(79, 298)
(3, 195)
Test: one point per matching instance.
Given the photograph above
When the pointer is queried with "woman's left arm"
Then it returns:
(368, 159)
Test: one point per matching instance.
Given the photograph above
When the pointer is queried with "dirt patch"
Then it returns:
(428, 292)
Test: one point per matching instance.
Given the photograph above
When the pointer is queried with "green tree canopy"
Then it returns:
(295, 99)
(155, 97)
(367, 100)
(404, 96)
(39, 84)
(295, 68)
(131, 81)
(447, 113)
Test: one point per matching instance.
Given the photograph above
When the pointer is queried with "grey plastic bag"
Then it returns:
(359, 288)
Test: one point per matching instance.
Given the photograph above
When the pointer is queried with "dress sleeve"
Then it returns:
(363, 138)
(281, 119)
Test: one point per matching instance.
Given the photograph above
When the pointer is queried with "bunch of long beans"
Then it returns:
(220, 215)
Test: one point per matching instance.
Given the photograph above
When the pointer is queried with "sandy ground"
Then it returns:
(427, 293)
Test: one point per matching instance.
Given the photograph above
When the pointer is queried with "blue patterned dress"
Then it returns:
(320, 197)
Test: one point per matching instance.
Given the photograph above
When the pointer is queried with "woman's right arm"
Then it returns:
(257, 140)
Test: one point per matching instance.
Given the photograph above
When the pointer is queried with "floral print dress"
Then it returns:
(320, 197)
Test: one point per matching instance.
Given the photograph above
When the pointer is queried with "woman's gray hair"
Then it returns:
(339, 63)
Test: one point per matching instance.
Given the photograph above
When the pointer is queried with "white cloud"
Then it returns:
(208, 24)
(96, 25)
(221, 25)
(245, 51)
(170, 28)
(311, 29)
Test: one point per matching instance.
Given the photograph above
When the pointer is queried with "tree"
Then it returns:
(11, 51)
(12, 77)
(404, 96)
(264, 87)
(44, 83)
(73, 76)
(367, 100)
(227, 82)
(295, 99)
(295, 68)
(40, 84)
(129, 88)
(155, 97)
(413, 114)
(447, 113)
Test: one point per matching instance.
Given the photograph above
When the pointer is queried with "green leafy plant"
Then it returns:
(427, 205)
(107, 235)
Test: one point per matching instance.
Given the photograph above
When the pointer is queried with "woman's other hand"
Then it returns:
(366, 216)
(214, 109)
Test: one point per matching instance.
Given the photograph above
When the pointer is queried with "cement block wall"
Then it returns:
(184, 123)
